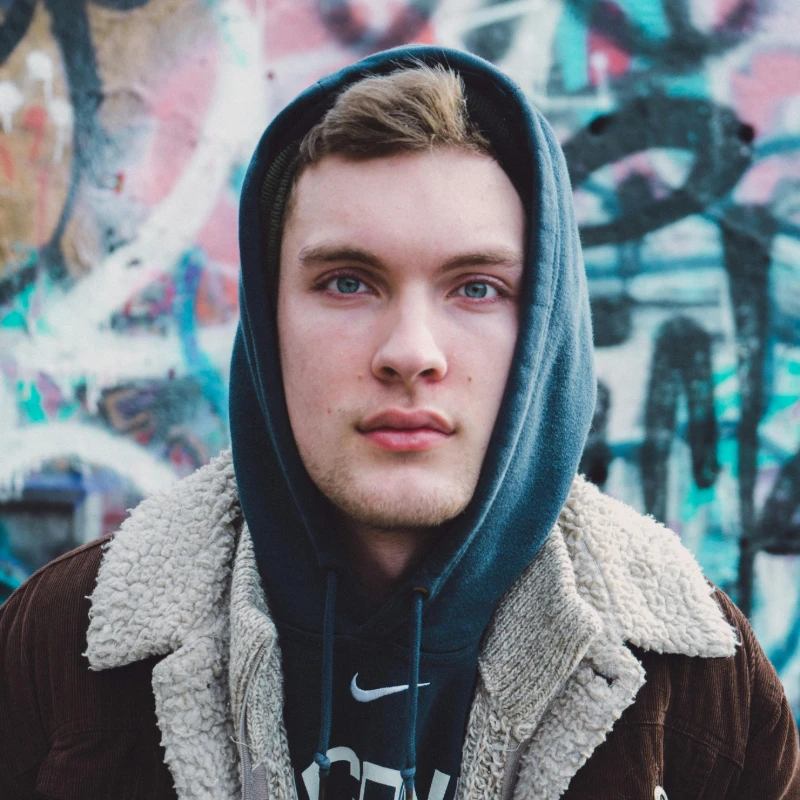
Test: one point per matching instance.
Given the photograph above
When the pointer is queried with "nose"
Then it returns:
(409, 352)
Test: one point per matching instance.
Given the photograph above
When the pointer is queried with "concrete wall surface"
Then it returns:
(125, 130)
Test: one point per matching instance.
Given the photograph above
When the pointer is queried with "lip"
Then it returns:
(402, 420)
(408, 440)
(398, 430)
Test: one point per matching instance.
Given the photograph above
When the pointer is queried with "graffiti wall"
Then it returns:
(125, 129)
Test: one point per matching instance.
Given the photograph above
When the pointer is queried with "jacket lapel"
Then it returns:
(193, 710)
(580, 717)
(164, 588)
(647, 587)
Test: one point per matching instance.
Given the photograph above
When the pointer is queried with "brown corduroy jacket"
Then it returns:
(704, 728)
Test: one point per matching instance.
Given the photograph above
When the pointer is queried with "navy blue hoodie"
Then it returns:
(337, 648)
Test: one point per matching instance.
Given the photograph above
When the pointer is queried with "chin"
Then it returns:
(400, 507)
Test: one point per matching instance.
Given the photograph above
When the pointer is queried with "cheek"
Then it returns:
(319, 363)
(483, 364)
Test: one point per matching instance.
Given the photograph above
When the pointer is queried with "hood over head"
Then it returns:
(541, 426)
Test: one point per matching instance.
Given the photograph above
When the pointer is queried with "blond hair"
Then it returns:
(410, 110)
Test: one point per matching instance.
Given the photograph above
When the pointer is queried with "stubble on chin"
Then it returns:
(394, 505)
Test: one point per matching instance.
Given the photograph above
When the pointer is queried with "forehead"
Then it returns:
(424, 206)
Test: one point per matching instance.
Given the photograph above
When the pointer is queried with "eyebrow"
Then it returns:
(333, 254)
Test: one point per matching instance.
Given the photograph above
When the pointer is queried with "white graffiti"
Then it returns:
(26, 448)
(40, 70)
(11, 100)
(77, 340)
(62, 116)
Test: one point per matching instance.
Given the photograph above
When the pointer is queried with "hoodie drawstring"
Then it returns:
(410, 769)
(321, 757)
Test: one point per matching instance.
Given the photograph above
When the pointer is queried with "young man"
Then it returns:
(397, 585)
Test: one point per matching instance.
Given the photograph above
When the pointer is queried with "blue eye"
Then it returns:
(477, 290)
(347, 284)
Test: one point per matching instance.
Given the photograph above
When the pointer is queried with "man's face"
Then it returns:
(398, 310)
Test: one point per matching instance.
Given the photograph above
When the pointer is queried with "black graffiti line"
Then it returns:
(597, 454)
(681, 365)
(70, 28)
(683, 50)
(14, 26)
(708, 130)
(492, 40)
(343, 23)
(779, 530)
(747, 236)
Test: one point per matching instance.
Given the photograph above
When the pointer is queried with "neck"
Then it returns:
(383, 559)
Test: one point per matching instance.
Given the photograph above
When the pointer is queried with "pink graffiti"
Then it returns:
(217, 299)
(616, 61)
(759, 184)
(35, 120)
(725, 9)
(759, 93)
(292, 27)
(178, 112)
(219, 235)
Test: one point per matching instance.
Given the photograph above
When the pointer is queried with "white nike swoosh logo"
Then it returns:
(368, 695)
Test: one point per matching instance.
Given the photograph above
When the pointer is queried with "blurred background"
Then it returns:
(125, 130)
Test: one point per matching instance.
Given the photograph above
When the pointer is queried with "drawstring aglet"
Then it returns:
(324, 764)
(407, 775)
